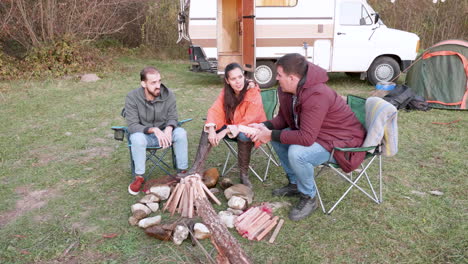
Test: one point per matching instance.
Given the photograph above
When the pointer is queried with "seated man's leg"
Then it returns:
(303, 160)
(290, 189)
(179, 138)
(139, 143)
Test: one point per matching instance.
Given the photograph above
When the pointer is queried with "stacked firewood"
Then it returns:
(257, 222)
(184, 195)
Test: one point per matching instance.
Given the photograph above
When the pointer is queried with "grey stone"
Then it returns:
(180, 234)
(90, 77)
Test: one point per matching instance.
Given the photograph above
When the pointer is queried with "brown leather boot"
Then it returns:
(244, 149)
(198, 166)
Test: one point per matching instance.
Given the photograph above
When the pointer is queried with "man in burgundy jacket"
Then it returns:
(312, 119)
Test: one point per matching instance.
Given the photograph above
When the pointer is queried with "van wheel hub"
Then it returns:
(384, 72)
(263, 74)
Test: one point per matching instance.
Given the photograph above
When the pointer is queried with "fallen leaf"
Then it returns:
(25, 252)
(110, 235)
(19, 236)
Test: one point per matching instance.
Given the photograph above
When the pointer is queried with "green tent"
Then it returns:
(440, 75)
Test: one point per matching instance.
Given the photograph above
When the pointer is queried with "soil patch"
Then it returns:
(31, 200)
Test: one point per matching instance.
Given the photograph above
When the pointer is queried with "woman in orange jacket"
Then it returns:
(239, 103)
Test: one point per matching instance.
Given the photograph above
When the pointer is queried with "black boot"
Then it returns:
(305, 207)
(288, 190)
(244, 149)
(198, 166)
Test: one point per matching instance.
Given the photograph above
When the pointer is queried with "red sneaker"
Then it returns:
(135, 186)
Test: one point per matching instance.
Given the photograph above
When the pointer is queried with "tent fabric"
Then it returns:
(440, 75)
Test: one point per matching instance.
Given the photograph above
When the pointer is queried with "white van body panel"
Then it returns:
(317, 29)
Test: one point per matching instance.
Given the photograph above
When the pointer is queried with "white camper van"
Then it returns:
(338, 35)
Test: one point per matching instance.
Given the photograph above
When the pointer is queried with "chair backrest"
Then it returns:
(358, 106)
(270, 101)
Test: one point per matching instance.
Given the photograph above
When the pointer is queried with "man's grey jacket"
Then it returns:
(142, 114)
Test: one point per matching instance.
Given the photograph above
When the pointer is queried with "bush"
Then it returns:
(61, 58)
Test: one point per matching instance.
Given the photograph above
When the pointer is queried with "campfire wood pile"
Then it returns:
(184, 195)
(256, 223)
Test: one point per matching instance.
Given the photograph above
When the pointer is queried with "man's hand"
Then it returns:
(168, 132)
(163, 140)
(263, 134)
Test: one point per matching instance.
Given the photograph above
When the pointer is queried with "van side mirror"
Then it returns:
(377, 17)
(362, 21)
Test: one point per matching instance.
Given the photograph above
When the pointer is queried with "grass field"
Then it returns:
(64, 181)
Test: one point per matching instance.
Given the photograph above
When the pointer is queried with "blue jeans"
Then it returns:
(140, 141)
(299, 162)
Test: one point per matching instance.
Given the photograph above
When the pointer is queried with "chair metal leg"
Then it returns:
(354, 183)
(234, 153)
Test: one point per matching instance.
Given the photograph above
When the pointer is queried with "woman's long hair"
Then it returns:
(231, 101)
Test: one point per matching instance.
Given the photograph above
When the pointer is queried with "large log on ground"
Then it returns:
(225, 243)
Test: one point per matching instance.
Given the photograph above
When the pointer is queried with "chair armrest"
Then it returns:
(184, 121)
(356, 149)
(119, 128)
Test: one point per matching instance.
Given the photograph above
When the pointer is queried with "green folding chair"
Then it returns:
(373, 154)
(270, 102)
(155, 155)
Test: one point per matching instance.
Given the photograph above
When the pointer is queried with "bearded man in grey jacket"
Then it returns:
(151, 115)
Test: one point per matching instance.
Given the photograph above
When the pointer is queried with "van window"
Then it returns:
(351, 14)
(286, 3)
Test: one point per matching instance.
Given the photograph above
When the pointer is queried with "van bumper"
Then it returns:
(199, 61)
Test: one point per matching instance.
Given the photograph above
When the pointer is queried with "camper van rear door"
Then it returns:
(248, 35)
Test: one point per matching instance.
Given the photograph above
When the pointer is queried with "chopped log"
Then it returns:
(275, 233)
(224, 242)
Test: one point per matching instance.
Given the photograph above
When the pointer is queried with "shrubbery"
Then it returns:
(61, 58)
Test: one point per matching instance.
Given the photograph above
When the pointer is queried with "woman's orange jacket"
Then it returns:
(249, 111)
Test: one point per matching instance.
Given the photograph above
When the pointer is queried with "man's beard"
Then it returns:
(153, 93)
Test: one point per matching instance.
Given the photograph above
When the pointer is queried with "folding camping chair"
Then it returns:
(367, 111)
(155, 155)
(270, 101)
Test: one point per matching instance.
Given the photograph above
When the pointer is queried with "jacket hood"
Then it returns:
(315, 75)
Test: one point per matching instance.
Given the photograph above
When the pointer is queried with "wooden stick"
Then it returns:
(275, 233)
(244, 214)
(261, 228)
(258, 226)
(174, 202)
(248, 220)
(211, 195)
(247, 224)
(190, 212)
(182, 191)
(171, 198)
(268, 228)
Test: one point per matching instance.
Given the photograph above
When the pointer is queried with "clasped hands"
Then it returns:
(262, 134)
(164, 136)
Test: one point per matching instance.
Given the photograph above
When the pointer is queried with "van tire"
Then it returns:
(383, 69)
(265, 74)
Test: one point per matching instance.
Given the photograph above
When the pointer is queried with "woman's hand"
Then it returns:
(212, 137)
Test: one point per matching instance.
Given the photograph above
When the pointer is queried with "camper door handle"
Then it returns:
(252, 16)
(341, 33)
